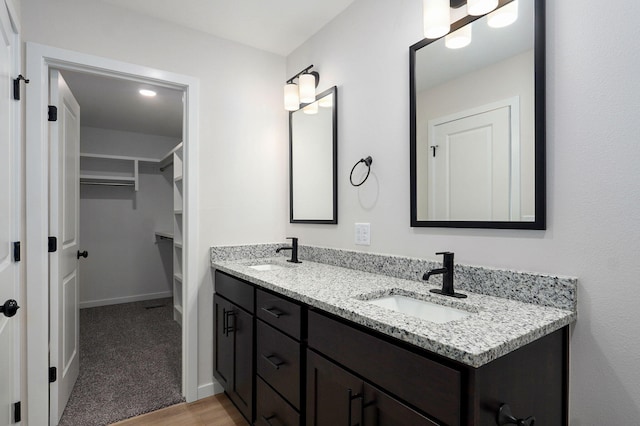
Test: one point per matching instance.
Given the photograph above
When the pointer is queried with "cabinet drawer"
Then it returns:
(278, 362)
(238, 292)
(279, 312)
(271, 409)
(426, 384)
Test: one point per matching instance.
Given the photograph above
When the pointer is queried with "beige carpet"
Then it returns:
(130, 363)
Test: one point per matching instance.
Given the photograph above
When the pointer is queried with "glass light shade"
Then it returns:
(504, 16)
(480, 7)
(291, 97)
(437, 18)
(311, 108)
(459, 38)
(326, 102)
(307, 88)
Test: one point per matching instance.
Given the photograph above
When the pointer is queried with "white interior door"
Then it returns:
(471, 167)
(64, 194)
(9, 342)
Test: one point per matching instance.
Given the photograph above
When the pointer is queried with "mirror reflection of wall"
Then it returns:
(475, 124)
(313, 141)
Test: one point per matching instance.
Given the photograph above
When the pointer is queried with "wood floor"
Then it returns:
(215, 410)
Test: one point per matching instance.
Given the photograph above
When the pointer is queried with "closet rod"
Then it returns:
(107, 183)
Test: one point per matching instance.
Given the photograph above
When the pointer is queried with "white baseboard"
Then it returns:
(209, 389)
(128, 299)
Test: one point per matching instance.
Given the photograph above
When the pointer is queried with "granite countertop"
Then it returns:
(496, 326)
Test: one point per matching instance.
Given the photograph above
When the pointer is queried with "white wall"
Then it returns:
(242, 130)
(592, 169)
(126, 261)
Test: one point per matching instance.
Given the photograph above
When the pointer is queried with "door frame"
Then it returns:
(17, 221)
(39, 58)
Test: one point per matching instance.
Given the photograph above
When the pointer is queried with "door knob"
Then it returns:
(9, 308)
(83, 254)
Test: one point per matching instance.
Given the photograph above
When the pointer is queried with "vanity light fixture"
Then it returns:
(504, 16)
(480, 7)
(304, 91)
(437, 18)
(326, 101)
(458, 39)
(147, 93)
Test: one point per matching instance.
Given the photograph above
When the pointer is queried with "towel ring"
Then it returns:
(367, 161)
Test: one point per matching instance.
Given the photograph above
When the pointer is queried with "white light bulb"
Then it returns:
(480, 7)
(458, 39)
(147, 92)
(291, 98)
(307, 88)
(326, 102)
(311, 108)
(504, 16)
(437, 18)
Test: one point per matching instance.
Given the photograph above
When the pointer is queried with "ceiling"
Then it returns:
(277, 26)
(111, 103)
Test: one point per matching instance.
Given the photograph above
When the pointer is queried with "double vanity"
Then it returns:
(349, 338)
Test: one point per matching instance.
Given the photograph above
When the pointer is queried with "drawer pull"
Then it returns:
(273, 311)
(275, 364)
(353, 397)
(226, 326)
(268, 420)
(506, 418)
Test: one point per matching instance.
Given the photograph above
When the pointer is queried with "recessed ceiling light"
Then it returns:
(146, 92)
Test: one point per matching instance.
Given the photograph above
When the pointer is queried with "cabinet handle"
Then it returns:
(267, 420)
(351, 399)
(273, 311)
(276, 364)
(506, 418)
(227, 328)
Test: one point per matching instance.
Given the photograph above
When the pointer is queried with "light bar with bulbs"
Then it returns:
(303, 92)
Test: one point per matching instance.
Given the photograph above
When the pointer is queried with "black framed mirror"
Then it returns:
(477, 116)
(313, 160)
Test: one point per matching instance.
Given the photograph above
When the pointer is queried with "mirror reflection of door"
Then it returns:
(473, 164)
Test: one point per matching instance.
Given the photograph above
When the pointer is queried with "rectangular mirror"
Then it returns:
(478, 123)
(313, 161)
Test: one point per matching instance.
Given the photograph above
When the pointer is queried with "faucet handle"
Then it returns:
(444, 252)
(294, 240)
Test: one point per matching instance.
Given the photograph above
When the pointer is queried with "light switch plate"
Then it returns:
(363, 234)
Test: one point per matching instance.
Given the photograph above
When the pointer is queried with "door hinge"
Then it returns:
(52, 244)
(53, 113)
(53, 374)
(16, 86)
(16, 251)
(17, 412)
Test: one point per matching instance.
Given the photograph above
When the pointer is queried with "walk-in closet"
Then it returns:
(129, 292)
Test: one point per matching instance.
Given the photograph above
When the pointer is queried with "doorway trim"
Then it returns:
(39, 58)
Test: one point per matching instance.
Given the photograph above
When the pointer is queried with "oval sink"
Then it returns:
(265, 267)
(420, 308)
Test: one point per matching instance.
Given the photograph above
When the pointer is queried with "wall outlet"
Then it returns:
(363, 234)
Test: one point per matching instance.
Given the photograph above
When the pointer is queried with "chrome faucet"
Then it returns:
(293, 248)
(447, 276)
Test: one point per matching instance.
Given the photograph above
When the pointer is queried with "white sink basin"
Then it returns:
(420, 308)
(265, 267)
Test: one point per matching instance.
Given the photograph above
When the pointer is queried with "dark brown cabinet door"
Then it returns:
(382, 410)
(234, 353)
(334, 397)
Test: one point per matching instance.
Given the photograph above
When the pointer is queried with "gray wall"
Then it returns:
(593, 128)
(126, 261)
